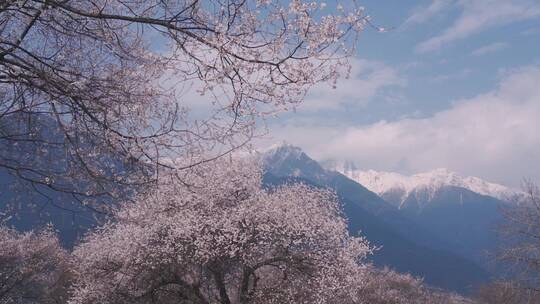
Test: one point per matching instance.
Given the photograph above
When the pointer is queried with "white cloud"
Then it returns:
(531, 32)
(367, 79)
(494, 135)
(423, 14)
(452, 76)
(479, 15)
(490, 48)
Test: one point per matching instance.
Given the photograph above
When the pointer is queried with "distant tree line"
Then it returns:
(521, 252)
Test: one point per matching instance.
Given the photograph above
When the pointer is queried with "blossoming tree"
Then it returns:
(94, 93)
(34, 268)
(222, 239)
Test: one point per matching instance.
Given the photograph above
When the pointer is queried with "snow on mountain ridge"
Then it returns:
(381, 182)
(283, 149)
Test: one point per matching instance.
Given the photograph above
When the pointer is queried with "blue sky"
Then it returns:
(454, 83)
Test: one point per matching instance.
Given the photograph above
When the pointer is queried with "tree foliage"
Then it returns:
(521, 232)
(222, 239)
(506, 292)
(34, 268)
(385, 286)
(108, 79)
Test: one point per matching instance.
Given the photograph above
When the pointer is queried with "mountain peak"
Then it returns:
(382, 182)
(284, 159)
(284, 149)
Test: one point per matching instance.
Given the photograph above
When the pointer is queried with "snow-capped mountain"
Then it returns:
(404, 243)
(428, 183)
(291, 161)
(462, 211)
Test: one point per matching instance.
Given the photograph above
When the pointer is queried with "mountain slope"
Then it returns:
(462, 217)
(463, 211)
(41, 185)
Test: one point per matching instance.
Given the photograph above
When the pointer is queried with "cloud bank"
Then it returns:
(494, 135)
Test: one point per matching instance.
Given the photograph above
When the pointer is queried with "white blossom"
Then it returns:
(34, 268)
(222, 239)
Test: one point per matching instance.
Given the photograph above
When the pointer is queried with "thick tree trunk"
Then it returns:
(220, 284)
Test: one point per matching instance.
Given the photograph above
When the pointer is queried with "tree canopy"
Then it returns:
(93, 94)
